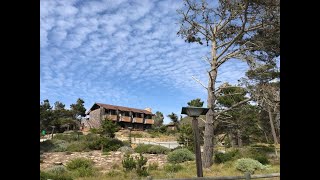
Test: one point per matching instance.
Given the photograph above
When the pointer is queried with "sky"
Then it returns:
(123, 52)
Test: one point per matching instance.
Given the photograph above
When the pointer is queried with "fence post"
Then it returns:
(247, 176)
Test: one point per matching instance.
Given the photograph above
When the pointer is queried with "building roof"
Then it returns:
(121, 108)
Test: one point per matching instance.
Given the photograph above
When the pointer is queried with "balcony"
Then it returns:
(138, 120)
(112, 117)
(125, 119)
(149, 121)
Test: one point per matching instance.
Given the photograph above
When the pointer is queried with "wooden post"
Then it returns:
(247, 176)
(197, 146)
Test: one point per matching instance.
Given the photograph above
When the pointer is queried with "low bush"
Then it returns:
(126, 150)
(142, 148)
(77, 146)
(220, 157)
(157, 149)
(141, 169)
(151, 149)
(248, 165)
(79, 163)
(153, 166)
(180, 155)
(172, 167)
(128, 163)
(48, 175)
(57, 169)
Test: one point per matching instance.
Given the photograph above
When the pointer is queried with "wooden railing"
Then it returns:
(149, 121)
(138, 120)
(247, 176)
(125, 119)
(112, 117)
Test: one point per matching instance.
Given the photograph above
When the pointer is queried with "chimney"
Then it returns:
(148, 109)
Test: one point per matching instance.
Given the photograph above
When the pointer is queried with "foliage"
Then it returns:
(108, 128)
(128, 162)
(78, 108)
(172, 167)
(47, 175)
(157, 149)
(186, 137)
(248, 165)
(224, 157)
(57, 169)
(173, 117)
(153, 166)
(77, 146)
(126, 150)
(196, 102)
(158, 119)
(151, 149)
(141, 162)
(78, 163)
(142, 148)
(180, 155)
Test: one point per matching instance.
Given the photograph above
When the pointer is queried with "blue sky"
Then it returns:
(123, 52)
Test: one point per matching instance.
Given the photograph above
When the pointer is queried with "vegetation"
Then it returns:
(235, 30)
(248, 165)
(173, 167)
(151, 149)
(81, 167)
(196, 103)
(224, 157)
(180, 155)
(128, 163)
(158, 119)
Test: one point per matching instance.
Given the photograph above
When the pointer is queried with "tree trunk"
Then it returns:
(239, 138)
(275, 140)
(230, 136)
(208, 131)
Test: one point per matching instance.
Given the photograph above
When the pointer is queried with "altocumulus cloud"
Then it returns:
(123, 52)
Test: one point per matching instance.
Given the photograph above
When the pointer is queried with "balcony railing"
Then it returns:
(149, 121)
(125, 119)
(138, 120)
(112, 117)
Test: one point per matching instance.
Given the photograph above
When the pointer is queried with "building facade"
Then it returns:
(138, 119)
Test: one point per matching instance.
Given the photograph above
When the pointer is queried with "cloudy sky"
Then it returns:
(123, 52)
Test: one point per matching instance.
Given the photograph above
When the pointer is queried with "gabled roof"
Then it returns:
(120, 108)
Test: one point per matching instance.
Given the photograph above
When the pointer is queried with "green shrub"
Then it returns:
(128, 163)
(57, 169)
(153, 166)
(180, 155)
(59, 145)
(48, 175)
(224, 157)
(157, 149)
(126, 150)
(263, 149)
(77, 146)
(141, 169)
(151, 149)
(67, 137)
(142, 148)
(46, 146)
(172, 167)
(79, 163)
(262, 159)
(248, 165)
(84, 172)
(111, 144)
(126, 143)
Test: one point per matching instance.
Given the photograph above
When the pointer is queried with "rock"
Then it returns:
(57, 163)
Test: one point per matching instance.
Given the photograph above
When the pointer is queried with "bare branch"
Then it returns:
(207, 60)
(199, 82)
(239, 34)
(233, 106)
